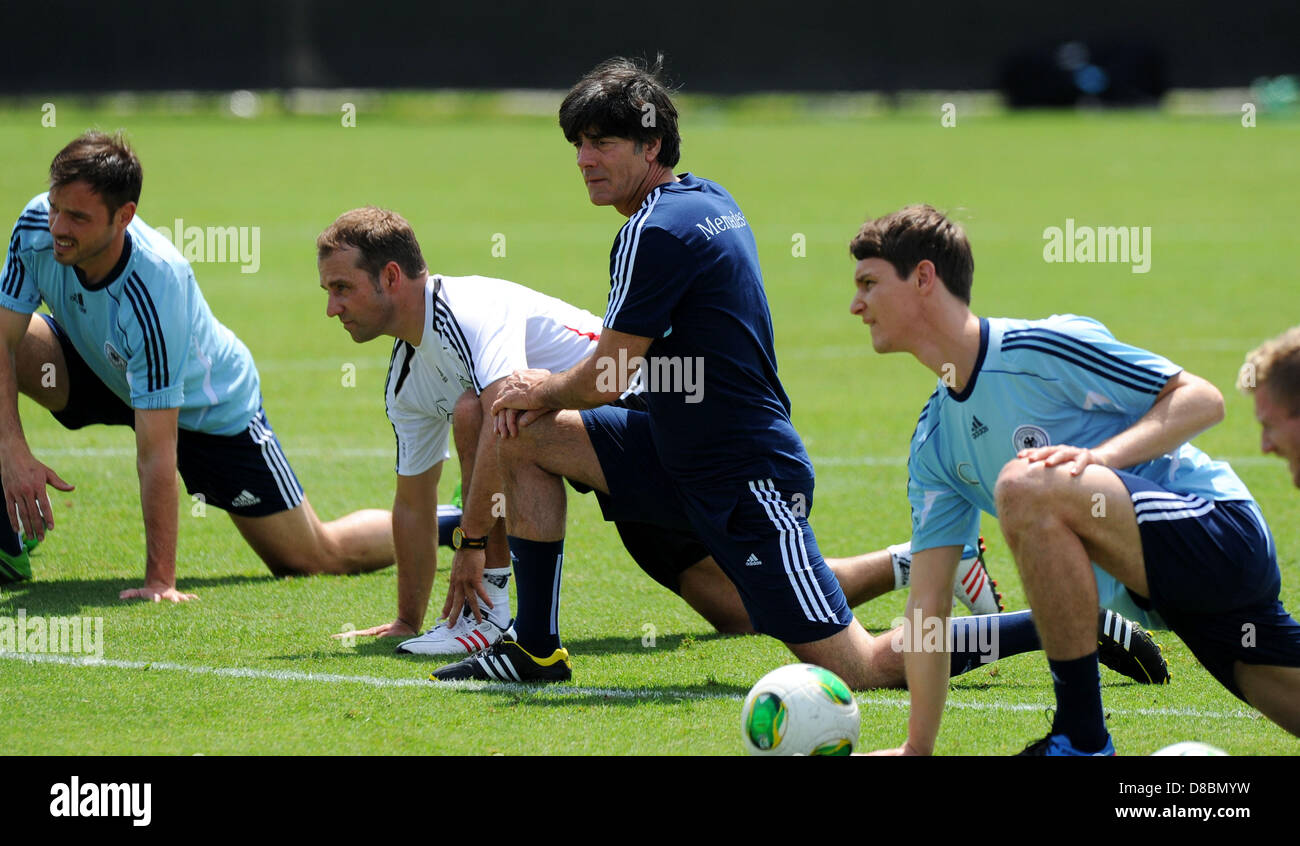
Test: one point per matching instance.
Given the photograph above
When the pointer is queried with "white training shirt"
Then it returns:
(476, 331)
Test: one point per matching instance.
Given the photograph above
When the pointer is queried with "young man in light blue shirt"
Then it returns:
(1079, 444)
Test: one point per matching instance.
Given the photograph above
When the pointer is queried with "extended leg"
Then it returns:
(297, 543)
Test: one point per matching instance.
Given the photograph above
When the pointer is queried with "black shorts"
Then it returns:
(246, 473)
(757, 530)
(1212, 571)
(664, 554)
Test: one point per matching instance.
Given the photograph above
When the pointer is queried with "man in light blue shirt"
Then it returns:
(1079, 444)
(131, 341)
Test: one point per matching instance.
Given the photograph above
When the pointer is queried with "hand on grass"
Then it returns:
(157, 593)
(397, 628)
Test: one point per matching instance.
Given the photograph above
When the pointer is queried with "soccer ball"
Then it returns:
(1189, 748)
(800, 709)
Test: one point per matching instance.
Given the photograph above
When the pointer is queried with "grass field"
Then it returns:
(251, 669)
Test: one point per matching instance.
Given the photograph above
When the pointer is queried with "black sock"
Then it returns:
(537, 588)
(989, 637)
(1078, 702)
(10, 543)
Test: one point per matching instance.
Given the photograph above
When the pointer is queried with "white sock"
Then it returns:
(496, 581)
(901, 556)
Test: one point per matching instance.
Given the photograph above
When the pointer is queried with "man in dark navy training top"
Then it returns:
(715, 451)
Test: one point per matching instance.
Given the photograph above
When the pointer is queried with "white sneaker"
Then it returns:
(973, 587)
(465, 638)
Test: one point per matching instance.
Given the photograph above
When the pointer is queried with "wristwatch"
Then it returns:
(459, 541)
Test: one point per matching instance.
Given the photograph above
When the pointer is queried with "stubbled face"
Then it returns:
(79, 222)
(883, 301)
(615, 170)
(1279, 431)
(354, 296)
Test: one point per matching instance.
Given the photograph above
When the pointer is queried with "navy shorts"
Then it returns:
(246, 473)
(757, 530)
(1212, 571)
(663, 554)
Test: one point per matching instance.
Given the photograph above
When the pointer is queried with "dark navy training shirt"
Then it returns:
(684, 271)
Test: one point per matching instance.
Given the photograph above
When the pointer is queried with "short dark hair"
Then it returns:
(612, 100)
(106, 162)
(913, 234)
(379, 235)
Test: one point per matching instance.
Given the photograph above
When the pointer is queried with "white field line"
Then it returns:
(129, 452)
(387, 452)
(555, 691)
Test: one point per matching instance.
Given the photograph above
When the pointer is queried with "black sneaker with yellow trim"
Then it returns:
(1123, 646)
(507, 661)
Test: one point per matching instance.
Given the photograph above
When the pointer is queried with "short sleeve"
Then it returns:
(1094, 370)
(158, 331)
(940, 516)
(498, 341)
(18, 289)
(650, 272)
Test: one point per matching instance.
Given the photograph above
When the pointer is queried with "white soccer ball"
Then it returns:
(1189, 748)
(800, 709)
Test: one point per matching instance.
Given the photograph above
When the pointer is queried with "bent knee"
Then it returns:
(468, 413)
(532, 440)
(1013, 484)
(1023, 486)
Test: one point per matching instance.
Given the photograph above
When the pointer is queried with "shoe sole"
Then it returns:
(502, 669)
(12, 572)
(1117, 657)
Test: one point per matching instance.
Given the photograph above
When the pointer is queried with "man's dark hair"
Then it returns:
(624, 98)
(912, 234)
(105, 162)
(380, 236)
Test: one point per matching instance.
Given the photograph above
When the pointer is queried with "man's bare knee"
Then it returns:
(538, 439)
(524, 448)
(1015, 488)
(1026, 499)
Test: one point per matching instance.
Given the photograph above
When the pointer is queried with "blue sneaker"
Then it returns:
(1059, 744)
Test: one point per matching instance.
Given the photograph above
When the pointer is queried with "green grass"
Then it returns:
(1219, 199)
